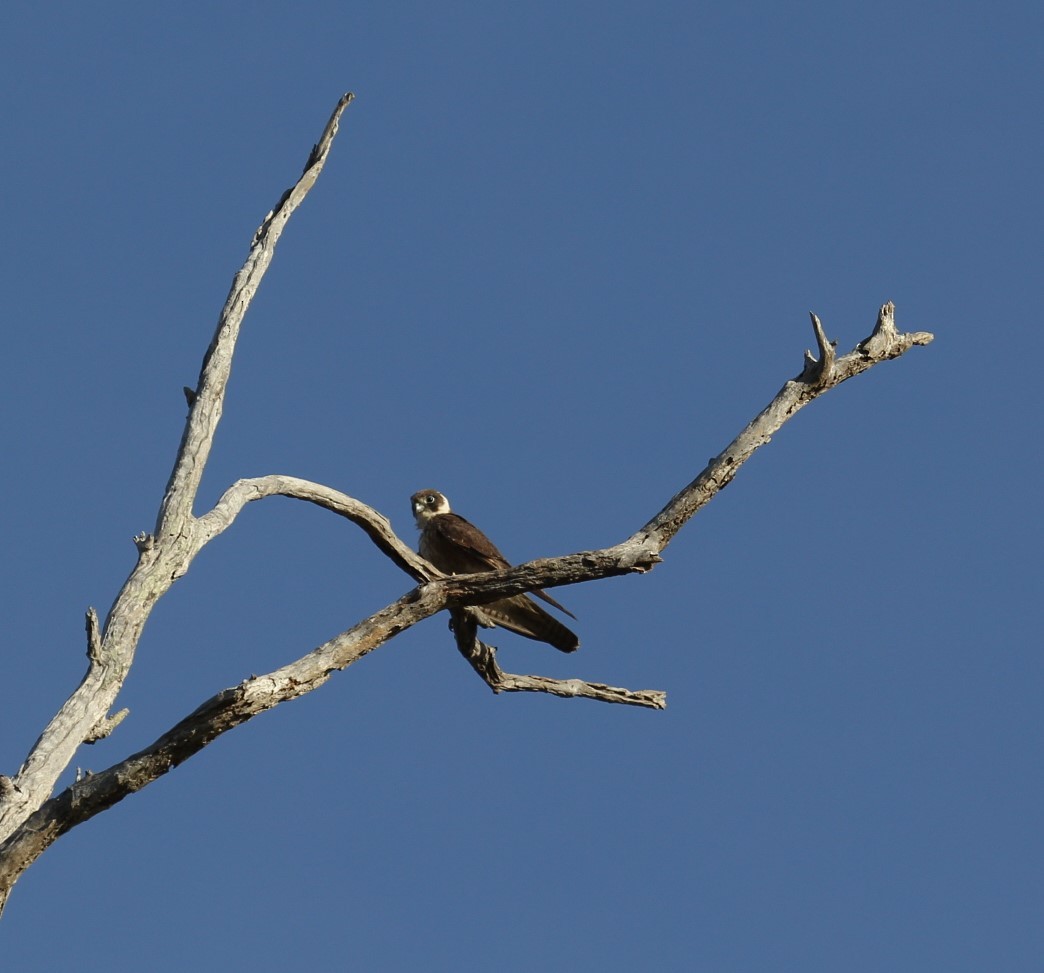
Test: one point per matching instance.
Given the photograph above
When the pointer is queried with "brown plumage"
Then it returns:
(456, 546)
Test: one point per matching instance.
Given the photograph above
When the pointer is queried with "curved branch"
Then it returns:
(376, 526)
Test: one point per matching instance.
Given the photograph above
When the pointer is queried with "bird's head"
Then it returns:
(426, 504)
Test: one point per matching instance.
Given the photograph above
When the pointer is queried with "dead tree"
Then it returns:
(31, 818)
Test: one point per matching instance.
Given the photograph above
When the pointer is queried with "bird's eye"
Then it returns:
(430, 499)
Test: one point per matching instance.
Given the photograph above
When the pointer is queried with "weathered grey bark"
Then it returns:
(31, 820)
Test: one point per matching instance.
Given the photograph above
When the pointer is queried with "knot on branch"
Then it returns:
(94, 642)
(642, 560)
(884, 336)
(105, 726)
(886, 341)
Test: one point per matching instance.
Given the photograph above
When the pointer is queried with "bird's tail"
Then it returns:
(525, 617)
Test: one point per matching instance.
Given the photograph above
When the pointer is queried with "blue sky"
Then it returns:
(560, 255)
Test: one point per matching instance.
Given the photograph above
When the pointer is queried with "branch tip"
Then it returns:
(322, 147)
(885, 323)
(818, 371)
(885, 341)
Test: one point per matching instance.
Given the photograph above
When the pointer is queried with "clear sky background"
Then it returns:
(561, 254)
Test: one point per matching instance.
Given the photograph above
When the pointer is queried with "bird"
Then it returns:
(456, 546)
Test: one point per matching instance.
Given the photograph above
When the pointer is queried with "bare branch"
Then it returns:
(630, 557)
(482, 658)
(376, 526)
(885, 343)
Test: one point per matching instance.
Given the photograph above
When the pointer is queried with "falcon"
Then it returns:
(456, 546)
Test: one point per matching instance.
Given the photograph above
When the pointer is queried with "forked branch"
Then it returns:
(30, 820)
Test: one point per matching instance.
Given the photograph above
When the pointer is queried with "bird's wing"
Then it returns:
(463, 546)
(457, 546)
